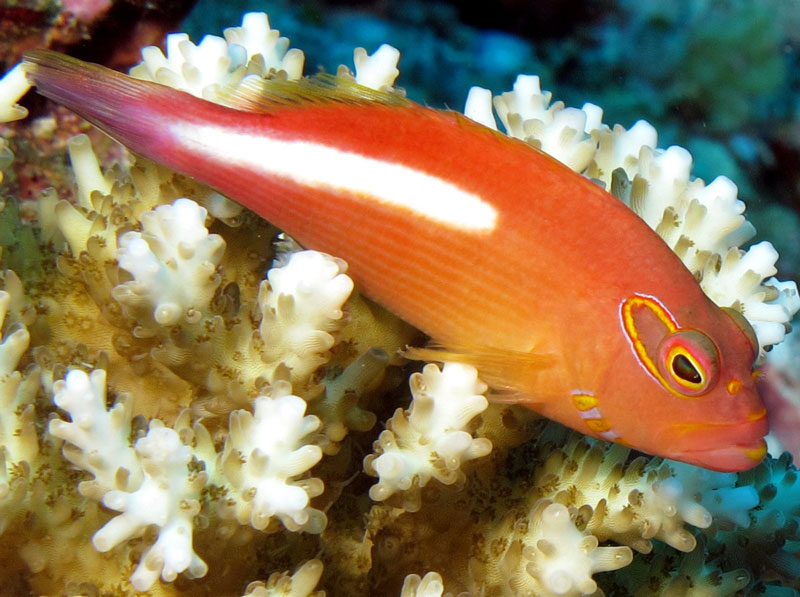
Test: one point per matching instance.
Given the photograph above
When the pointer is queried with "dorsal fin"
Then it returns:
(256, 94)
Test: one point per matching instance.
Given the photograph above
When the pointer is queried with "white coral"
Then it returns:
(377, 70)
(280, 584)
(262, 469)
(168, 498)
(261, 43)
(97, 438)
(216, 63)
(562, 559)
(526, 114)
(86, 169)
(173, 262)
(719, 497)
(266, 454)
(430, 440)
(301, 304)
(18, 437)
(703, 223)
(151, 483)
(430, 585)
(13, 86)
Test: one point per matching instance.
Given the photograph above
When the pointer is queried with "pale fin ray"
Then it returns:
(496, 366)
(256, 94)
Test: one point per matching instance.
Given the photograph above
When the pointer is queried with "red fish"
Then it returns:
(554, 289)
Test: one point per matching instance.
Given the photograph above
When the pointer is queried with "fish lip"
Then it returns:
(725, 447)
(730, 458)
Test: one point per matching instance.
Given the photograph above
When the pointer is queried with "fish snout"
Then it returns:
(731, 447)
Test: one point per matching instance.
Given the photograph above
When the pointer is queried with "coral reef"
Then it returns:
(176, 423)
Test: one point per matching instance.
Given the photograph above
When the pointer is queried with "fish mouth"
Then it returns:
(727, 459)
(727, 448)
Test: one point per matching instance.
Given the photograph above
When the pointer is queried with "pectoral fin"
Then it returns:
(503, 370)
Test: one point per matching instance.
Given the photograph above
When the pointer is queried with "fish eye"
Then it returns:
(745, 326)
(688, 362)
(683, 368)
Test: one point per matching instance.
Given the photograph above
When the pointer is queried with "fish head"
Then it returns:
(696, 400)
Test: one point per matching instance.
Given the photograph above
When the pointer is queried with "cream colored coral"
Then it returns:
(584, 495)
(631, 505)
(216, 63)
(266, 455)
(557, 558)
(13, 86)
(173, 262)
(106, 202)
(281, 584)
(377, 70)
(262, 477)
(96, 437)
(430, 585)
(338, 408)
(19, 443)
(86, 169)
(430, 439)
(168, 498)
(301, 305)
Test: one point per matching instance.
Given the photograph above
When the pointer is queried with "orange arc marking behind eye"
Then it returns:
(629, 325)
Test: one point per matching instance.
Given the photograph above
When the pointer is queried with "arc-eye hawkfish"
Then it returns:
(555, 290)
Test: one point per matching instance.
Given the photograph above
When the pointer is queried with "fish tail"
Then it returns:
(129, 110)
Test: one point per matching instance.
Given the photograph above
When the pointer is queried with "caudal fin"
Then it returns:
(127, 109)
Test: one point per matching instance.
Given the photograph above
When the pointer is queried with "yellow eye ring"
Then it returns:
(688, 362)
(684, 369)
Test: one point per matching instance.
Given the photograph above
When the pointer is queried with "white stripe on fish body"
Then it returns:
(326, 168)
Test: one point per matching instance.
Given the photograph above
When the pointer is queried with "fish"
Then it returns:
(561, 296)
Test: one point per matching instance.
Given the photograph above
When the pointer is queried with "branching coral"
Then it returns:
(13, 86)
(204, 411)
(429, 585)
(264, 454)
(173, 262)
(152, 483)
(299, 584)
(204, 69)
(429, 441)
(97, 438)
(20, 444)
(167, 498)
(299, 307)
(149, 483)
